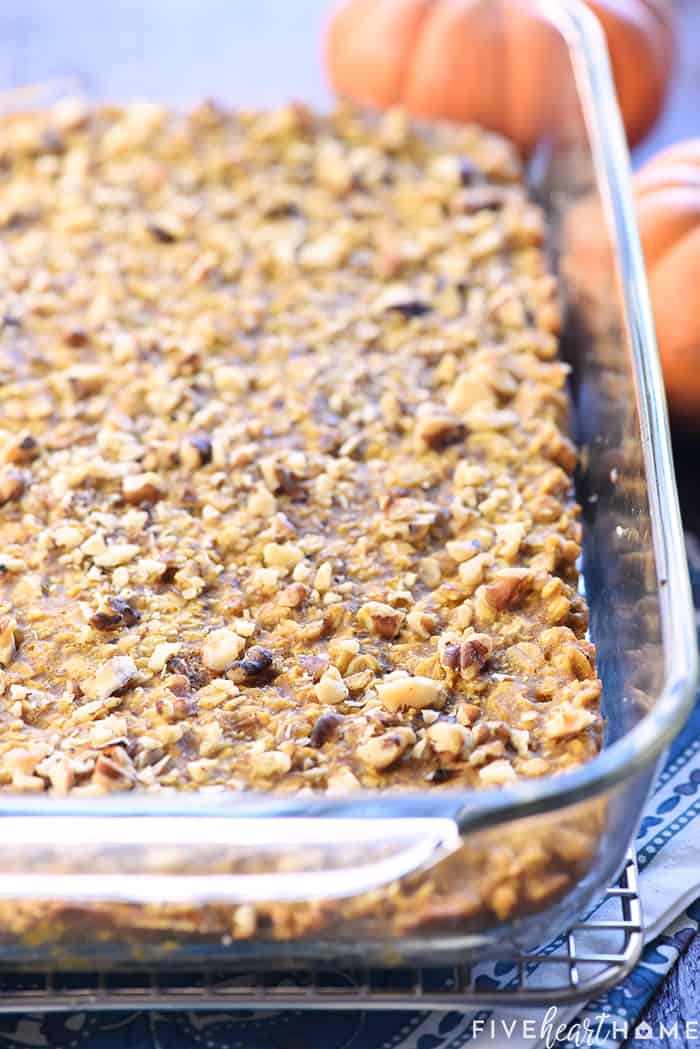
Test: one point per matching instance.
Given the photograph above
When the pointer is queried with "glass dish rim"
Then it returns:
(638, 749)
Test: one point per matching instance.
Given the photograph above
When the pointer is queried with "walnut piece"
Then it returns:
(381, 619)
(466, 656)
(8, 641)
(567, 720)
(143, 488)
(406, 691)
(331, 687)
(449, 738)
(380, 752)
(439, 431)
(114, 675)
(113, 613)
(12, 485)
(162, 653)
(221, 649)
(507, 588)
(271, 764)
(497, 773)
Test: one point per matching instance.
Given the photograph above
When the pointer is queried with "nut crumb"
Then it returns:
(416, 692)
(112, 676)
(331, 688)
(380, 752)
(221, 648)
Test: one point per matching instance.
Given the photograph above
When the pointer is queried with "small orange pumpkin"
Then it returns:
(667, 192)
(667, 199)
(481, 60)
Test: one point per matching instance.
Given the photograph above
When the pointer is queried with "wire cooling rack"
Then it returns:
(588, 959)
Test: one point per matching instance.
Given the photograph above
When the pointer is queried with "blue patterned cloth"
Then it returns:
(668, 851)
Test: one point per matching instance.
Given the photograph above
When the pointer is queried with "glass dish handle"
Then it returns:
(160, 859)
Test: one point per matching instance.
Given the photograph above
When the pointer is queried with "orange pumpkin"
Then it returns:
(667, 192)
(482, 60)
(667, 198)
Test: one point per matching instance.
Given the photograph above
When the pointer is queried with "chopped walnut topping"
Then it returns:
(314, 666)
(114, 613)
(221, 649)
(85, 380)
(507, 588)
(468, 713)
(115, 554)
(430, 572)
(196, 450)
(22, 762)
(114, 770)
(343, 782)
(408, 691)
(361, 235)
(59, 771)
(472, 572)
(497, 773)
(534, 767)
(258, 662)
(380, 619)
(262, 502)
(284, 477)
(510, 538)
(294, 595)
(463, 550)
(114, 675)
(21, 449)
(12, 485)
(75, 337)
(567, 720)
(143, 488)
(380, 752)
(580, 663)
(324, 577)
(282, 555)
(162, 653)
(8, 641)
(271, 764)
(486, 751)
(422, 624)
(467, 655)
(401, 299)
(520, 738)
(439, 431)
(448, 738)
(331, 688)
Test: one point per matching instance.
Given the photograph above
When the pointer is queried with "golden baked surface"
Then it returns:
(285, 490)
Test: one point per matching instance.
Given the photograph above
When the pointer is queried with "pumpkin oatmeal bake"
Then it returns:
(286, 494)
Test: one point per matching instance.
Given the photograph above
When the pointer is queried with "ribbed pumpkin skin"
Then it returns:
(667, 192)
(667, 201)
(478, 60)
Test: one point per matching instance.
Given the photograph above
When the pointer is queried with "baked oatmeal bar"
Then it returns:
(286, 491)
(286, 497)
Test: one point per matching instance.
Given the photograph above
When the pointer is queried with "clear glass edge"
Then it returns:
(639, 749)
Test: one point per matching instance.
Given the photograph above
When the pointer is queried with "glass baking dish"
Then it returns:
(415, 877)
